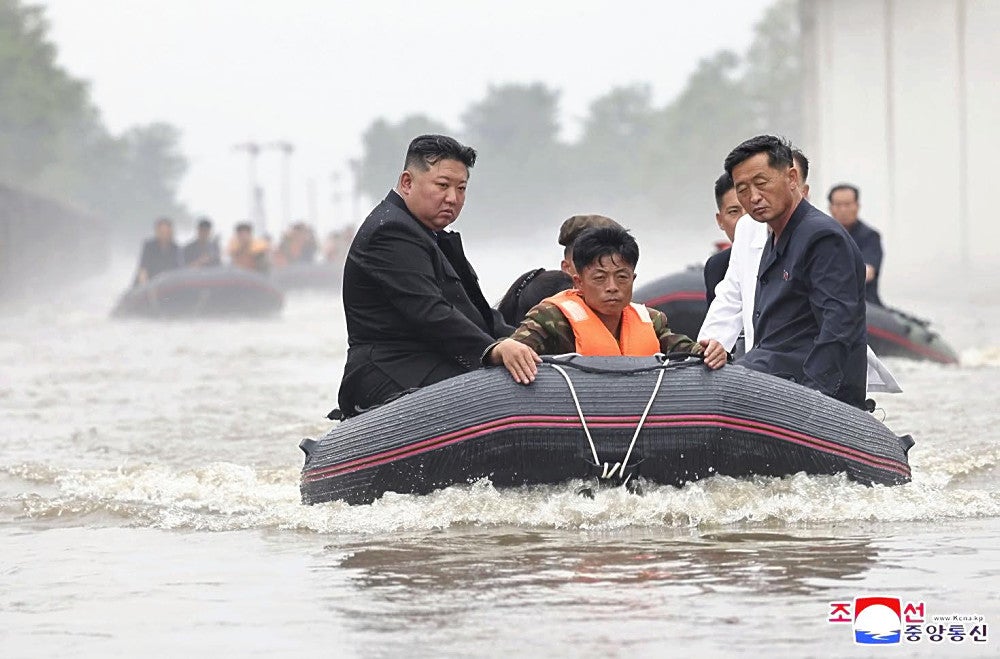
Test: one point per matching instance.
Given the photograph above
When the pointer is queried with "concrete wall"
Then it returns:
(903, 99)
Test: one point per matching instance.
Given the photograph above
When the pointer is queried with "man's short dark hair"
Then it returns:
(427, 150)
(778, 150)
(844, 186)
(244, 226)
(723, 184)
(204, 223)
(594, 244)
(802, 163)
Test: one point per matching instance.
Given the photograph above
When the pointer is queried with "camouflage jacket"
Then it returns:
(547, 331)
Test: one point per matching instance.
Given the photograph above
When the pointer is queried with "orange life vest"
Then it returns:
(638, 339)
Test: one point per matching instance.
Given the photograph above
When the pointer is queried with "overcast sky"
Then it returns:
(318, 72)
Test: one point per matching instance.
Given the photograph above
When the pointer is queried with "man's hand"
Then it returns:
(714, 354)
(520, 360)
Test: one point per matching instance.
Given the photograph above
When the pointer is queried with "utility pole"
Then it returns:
(286, 148)
(255, 214)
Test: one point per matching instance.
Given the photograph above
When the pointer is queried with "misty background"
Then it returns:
(123, 111)
(115, 112)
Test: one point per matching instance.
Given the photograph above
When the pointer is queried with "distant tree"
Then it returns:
(692, 137)
(384, 148)
(54, 143)
(520, 170)
(631, 158)
(606, 162)
(37, 98)
(774, 70)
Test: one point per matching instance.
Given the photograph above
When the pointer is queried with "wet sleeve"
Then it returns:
(871, 250)
(724, 320)
(838, 303)
(669, 341)
(546, 331)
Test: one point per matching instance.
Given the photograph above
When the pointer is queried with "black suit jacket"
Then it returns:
(809, 315)
(415, 312)
(715, 271)
(528, 290)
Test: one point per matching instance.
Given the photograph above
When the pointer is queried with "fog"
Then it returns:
(317, 73)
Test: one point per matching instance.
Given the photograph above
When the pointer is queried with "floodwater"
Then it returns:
(149, 507)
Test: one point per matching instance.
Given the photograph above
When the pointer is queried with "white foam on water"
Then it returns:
(980, 357)
(224, 496)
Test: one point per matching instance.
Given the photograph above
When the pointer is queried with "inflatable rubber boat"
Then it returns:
(681, 296)
(308, 276)
(891, 333)
(202, 292)
(611, 420)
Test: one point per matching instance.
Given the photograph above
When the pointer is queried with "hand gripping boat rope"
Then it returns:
(608, 471)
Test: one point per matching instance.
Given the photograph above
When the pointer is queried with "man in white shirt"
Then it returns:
(731, 312)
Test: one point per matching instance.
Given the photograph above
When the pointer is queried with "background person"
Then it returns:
(159, 254)
(203, 251)
(844, 208)
(729, 213)
(248, 252)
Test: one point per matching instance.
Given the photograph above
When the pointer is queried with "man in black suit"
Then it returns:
(729, 214)
(809, 315)
(844, 206)
(159, 254)
(415, 312)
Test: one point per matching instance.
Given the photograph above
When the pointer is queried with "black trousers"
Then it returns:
(369, 386)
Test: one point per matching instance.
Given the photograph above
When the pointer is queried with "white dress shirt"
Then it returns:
(732, 309)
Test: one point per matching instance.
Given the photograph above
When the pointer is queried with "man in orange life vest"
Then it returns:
(596, 318)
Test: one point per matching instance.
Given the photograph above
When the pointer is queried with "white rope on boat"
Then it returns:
(579, 410)
(608, 471)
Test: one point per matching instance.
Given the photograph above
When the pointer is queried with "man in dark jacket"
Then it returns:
(809, 316)
(159, 254)
(844, 208)
(203, 251)
(415, 312)
(729, 214)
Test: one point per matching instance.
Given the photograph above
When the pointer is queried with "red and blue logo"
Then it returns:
(877, 620)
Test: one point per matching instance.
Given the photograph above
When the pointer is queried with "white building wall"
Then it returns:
(904, 101)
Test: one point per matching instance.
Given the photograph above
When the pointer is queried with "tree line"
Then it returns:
(54, 143)
(632, 159)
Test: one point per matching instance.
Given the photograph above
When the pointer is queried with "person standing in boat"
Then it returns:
(809, 304)
(535, 285)
(203, 251)
(844, 207)
(159, 254)
(415, 313)
(597, 317)
(729, 213)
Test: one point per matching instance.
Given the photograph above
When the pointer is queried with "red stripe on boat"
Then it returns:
(660, 421)
(930, 353)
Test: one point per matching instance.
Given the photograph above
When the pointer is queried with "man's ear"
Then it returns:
(564, 266)
(718, 220)
(577, 282)
(405, 182)
(793, 177)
